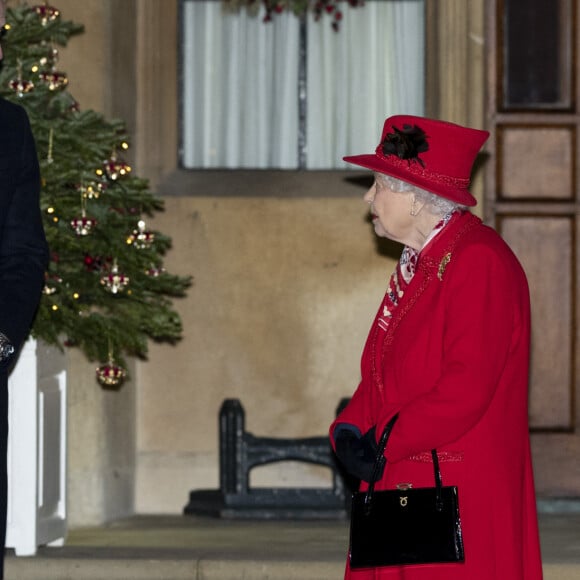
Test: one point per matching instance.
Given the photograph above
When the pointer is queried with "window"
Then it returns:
(537, 75)
(250, 101)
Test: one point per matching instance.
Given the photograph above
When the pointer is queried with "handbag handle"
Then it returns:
(381, 460)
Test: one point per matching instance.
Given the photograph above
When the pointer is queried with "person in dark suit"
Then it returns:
(23, 256)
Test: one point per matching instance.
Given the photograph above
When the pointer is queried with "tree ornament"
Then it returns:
(141, 238)
(93, 263)
(51, 282)
(92, 190)
(153, 271)
(111, 375)
(53, 79)
(50, 59)
(83, 225)
(51, 212)
(46, 13)
(74, 106)
(116, 168)
(89, 263)
(19, 85)
(115, 281)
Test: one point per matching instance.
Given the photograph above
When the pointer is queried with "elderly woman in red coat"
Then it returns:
(448, 352)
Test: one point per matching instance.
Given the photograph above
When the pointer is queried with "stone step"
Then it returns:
(147, 569)
(198, 548)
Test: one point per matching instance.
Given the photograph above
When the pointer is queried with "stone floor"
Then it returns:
(203, 548)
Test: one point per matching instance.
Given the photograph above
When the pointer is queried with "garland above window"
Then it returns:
(298, 7)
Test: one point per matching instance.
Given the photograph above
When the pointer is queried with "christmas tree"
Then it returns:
(106, 289)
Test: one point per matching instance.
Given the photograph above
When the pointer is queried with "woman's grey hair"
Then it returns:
(435, 204)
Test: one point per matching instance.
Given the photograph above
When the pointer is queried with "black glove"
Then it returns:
(358, 453)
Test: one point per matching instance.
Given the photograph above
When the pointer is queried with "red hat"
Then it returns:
(434, 155)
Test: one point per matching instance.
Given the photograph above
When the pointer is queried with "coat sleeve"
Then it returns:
(23, 248)
(354, 414)
(486, 314)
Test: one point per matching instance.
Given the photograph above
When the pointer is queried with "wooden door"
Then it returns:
(533, 200)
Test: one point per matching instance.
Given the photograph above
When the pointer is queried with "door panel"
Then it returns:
(543, 245)
(532, 199)
(520, 177)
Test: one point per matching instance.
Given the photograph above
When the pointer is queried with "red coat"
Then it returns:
(454, 365)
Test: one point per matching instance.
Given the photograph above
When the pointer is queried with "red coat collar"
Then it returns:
(433, 261)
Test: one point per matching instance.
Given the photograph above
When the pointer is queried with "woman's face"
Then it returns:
(390, 211)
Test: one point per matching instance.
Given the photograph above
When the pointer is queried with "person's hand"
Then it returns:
(358, 453)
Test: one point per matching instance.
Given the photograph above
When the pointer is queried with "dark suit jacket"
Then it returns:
(23, 248)
(23, 256)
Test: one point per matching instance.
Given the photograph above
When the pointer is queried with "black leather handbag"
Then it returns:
(405, 525)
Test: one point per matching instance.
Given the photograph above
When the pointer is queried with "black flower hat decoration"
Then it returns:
(406, 143)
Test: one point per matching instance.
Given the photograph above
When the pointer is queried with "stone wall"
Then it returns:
(285, 289)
